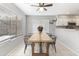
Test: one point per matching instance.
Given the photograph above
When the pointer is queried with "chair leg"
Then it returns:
(25, 48)
(55, 47)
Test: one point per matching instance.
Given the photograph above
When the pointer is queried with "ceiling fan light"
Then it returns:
(41, 9)
(38, 9)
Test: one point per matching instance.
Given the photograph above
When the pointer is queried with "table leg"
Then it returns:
(47, 49)
(25, 48)
(40, 53)
(40, 47)
(32, 48)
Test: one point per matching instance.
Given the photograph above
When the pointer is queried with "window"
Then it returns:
(10, 26)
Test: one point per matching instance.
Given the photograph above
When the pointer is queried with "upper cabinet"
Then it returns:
(63, 20)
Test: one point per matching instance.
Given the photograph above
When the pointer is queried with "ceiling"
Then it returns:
(56, 9)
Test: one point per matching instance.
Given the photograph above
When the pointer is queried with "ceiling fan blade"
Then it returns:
(45, 9)
(48, 5)
(35, 5)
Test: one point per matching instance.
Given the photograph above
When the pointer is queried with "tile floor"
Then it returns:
(61, 51)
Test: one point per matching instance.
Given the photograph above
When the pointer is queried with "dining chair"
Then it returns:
(54, 42)
(26, 41)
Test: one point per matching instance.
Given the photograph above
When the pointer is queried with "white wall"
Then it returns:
(70, 38)
(38, 20)
(9, 9)
(10, 44)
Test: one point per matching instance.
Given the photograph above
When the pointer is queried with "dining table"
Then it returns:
(40, 39)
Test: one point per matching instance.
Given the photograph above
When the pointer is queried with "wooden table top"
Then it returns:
(40, 37)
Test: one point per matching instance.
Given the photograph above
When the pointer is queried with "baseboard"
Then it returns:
(69, 48)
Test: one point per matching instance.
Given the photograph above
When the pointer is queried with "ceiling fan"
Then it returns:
(42, 6)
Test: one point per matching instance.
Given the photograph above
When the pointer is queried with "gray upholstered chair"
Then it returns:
(54, 42)
(26, 41)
